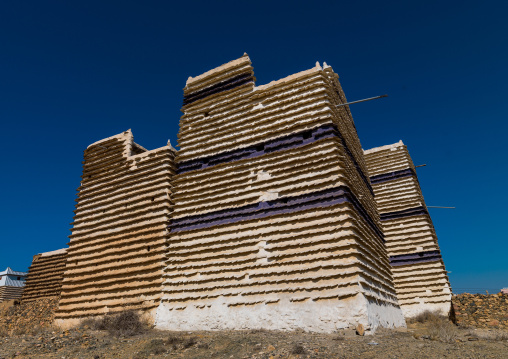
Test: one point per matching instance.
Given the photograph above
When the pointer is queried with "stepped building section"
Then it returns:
(418, 269)
(116, 249)
(12, 284)
(45, 275)
(274, 222)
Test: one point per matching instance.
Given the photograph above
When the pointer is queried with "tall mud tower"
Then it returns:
(116, 251)
(418, 269)
(274, 223)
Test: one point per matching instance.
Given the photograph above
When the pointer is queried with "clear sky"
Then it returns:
(74, 72)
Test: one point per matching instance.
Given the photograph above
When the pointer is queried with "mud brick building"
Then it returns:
(117, 246)
(268, 216)
(418, 269)
(12, 284)
(274, 222)
(45, 275)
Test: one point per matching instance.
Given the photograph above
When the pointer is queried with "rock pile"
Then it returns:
(27, 317)
(481, 311)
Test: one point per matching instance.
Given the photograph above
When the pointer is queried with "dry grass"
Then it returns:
(442, 329)
(126, 324)
(494, 335)
(437, 327)
(425, 317)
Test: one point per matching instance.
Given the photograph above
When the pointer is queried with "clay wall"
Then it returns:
(116, 250)
(45, 275)
(274, 223)
(10, 292)
(418, 269)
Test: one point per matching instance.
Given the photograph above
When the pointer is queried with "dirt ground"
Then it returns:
(415, 342)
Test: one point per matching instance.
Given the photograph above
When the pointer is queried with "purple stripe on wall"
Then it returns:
(415, 258)
(219, 87)
(417, 211)
(319, 199)
(294, 140)
(389, 176)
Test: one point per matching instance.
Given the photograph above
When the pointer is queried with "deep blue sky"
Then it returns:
(74, 72)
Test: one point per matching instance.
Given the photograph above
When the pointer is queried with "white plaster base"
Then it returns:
(413, 310)
(322, 316)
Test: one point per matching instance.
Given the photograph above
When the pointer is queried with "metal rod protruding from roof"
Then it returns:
(439, 207)
(420, 166)
(365, 99)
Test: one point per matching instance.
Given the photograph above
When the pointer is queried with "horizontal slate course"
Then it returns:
(320, 199)
(412, 258)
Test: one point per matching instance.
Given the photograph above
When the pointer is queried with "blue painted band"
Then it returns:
(417, 211)
(226, 85)
(318, 199)
(389, 176)
(415, 258)
(293, 140)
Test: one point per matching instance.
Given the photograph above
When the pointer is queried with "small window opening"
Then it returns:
(260, 148)
(153, 199)
(284, 200)
(307, 134)
(148, 249)
(207, 114)
(19, 278)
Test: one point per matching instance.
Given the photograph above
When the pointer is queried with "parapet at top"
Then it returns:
(383, 148)
(232, 74)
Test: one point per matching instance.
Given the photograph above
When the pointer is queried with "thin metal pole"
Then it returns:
(439, 207)
(420, 166)
(365, 99)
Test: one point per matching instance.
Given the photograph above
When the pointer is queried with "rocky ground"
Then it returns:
(26, 332)
(418, 341)
(16, 318)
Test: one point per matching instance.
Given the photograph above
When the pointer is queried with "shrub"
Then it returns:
(298, 349)
(126, 323)
(440, 328)
(426, 316)
(178, 342)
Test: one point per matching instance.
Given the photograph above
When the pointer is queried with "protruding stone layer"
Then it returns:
(418, 269)
(117, 246)
(274, 223)
(45, 275)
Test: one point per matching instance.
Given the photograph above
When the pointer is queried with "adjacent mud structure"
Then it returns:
(11, 284)
(267, 217)
(45, 275)
(118, 243)
(417, 266)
